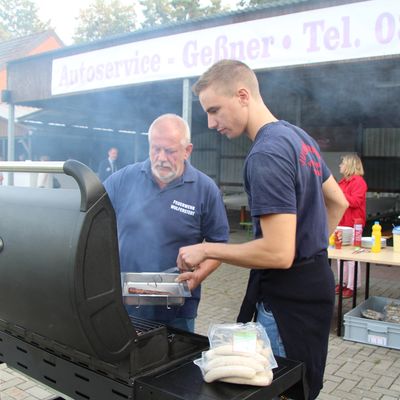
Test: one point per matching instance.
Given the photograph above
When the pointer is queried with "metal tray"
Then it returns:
(172, 293)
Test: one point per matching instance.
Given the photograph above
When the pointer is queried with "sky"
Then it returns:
(63, 13)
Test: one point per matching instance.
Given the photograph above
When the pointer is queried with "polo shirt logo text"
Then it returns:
(183, 208)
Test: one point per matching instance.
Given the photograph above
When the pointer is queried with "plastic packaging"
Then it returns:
(396, 239)
(357, 232)
(239, 353)
(376, 237)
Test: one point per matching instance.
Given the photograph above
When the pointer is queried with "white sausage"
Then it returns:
(261, 379)
(229, 371)
(227, 350)
(221, 361)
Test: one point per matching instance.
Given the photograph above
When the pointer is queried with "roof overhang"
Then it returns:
(350, 91)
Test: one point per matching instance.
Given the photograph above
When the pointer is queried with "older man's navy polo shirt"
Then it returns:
(154, 223)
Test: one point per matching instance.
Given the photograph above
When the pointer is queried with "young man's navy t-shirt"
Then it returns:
(283, 174)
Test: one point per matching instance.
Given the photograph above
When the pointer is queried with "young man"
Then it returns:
(162, 204)
(294, 202)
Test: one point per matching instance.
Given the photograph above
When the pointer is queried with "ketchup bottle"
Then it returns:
(357, 232)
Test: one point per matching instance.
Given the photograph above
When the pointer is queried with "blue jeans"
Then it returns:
(186, 324)
(267, 320)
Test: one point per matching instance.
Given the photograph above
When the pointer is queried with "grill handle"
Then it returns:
(89, 184)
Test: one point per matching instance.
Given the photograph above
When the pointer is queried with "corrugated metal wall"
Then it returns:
(222, 159)
(381, 142)
(205, 155)
(381, 159)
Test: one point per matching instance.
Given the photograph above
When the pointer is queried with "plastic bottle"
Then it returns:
(357, 232)
(338, 239)
(376, 237)
(396, 239)
(332, 241)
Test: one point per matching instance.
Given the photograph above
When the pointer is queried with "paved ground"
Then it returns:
(354, 371)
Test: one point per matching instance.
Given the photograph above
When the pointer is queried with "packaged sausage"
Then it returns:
(239, 353)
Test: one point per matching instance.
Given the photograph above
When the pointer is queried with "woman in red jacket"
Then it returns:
(355, 189)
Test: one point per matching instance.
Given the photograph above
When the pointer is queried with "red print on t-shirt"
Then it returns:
(309, 157)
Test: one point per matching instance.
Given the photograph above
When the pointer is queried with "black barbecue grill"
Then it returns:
(62, 319)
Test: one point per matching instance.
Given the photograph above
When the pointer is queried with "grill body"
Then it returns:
(60, 281)
(62, 319)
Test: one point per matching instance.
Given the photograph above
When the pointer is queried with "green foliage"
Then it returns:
(4, 34)
(104, 18)
(243, 4)
(161, 12)
(19, 18)
(156, 12)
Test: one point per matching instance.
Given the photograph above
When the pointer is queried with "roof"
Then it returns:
(19, 111)
(269, 9)
(130, 108)
(20, 47)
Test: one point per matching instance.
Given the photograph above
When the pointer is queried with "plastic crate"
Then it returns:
(363, 330)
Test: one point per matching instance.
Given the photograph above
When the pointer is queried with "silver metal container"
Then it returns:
(158, 289)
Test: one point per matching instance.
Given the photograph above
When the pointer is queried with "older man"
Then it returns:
(162, 204)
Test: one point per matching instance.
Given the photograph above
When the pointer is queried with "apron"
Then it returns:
(302, 300)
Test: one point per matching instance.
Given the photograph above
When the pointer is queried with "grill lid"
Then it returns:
(59, 265)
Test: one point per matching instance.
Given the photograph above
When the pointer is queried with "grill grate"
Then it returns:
(143, 325)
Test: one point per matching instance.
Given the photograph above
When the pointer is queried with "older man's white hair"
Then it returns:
(180, 123)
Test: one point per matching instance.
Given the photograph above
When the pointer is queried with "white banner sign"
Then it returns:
(357, 30)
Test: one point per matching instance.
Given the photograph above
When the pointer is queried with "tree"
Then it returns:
(19, 18)
(161, 12)
(104, 18)
(155, 12)
(244, 4)
(4, 34)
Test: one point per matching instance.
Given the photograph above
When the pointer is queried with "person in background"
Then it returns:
(355, 189)
(45, 179)
(1, 174)
(294, 202)
(162, 204)
(109, 165)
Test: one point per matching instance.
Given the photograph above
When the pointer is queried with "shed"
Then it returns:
(330, 66)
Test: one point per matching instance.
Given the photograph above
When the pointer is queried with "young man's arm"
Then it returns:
(335, 202)
(276, 249)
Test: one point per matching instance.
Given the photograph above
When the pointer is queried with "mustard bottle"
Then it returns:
(376, 237)
(332, 241)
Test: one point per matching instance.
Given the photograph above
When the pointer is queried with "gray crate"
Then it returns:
(379, 333)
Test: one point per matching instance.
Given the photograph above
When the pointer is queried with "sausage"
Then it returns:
(227, 350)
(260, 379)
(234, 360)
(133, 290)
(228, 372)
